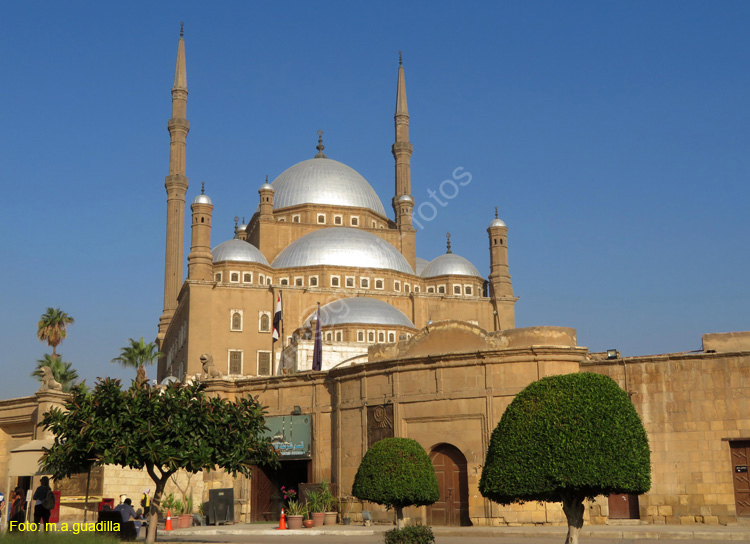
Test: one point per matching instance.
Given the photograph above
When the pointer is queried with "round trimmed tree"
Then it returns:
(565, 439)
(396, 472)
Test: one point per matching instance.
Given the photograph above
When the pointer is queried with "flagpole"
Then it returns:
(281, 328)
(273, 348)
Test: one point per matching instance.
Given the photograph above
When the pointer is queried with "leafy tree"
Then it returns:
(53, 328)
(62, 371)
(564, 439)
(137, 354)
(396, 472)
(161, 430)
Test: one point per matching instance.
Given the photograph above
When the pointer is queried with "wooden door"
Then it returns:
(452, 508)
(263, 506)
(623, 506)
(740, 463)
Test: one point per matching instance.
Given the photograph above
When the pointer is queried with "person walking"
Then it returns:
(44, 502)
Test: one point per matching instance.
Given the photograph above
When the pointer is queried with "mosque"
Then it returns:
(414, 348)
(319, 234)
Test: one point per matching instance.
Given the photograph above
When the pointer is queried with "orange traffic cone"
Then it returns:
(168, 524)
(282, 520)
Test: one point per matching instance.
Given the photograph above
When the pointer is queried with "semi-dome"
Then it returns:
(266, 186)
(238, 250)
(405, 198)
(324, 181)
(421, 265)
(364, 310)
(342, 246)
(202, 199)
(497, 223)
(450, 264)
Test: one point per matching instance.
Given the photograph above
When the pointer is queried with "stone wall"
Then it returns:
(691, 405)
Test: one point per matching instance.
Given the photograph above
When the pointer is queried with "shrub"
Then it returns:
(396, 472)
(410, 535)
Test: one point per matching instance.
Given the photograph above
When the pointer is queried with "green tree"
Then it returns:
(160, 429)
(565, 439)
(53, 328)
(63, 371)
(137, 354)
(396, 472)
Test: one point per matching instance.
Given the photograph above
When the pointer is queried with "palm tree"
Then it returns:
(63, 371)
(137, 354)
(52, 328)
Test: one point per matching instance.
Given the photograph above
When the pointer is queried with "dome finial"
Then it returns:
(236, 221)
(182, 32)
(320, 147)
(448, 237)
(496, 212)
(266, 178)
(400, 59)
(203, 187)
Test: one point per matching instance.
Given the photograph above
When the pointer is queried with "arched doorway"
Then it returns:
(453, 506)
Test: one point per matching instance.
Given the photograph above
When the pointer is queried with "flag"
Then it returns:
(277, 318)
(318, 347)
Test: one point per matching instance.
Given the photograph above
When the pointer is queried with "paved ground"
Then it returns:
(340, 534)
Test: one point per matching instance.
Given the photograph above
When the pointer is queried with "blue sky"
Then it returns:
(613, 136)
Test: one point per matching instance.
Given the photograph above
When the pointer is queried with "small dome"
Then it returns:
(360, 310)
(242, 227)
(421, 265)
(324, 181)
(342, 246)
(405, 198)
(497, 223)
(450, 264)
(266, 186)
(202, 199)
(238, 250)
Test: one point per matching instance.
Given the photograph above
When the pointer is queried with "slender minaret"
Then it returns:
(403, 203)
(200, 263)
(501, 288)
(176, 185)
(401, 149)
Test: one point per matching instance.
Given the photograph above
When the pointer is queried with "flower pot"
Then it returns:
(307, 523)
(347, 521)
(331, 518)
(318, 518)
(294, 522)
(184, 521)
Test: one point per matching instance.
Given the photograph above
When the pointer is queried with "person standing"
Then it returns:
(42, 506)
(146, 502)
(17, 511)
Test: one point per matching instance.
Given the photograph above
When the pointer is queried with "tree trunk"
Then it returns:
(399, 517)
(573, 508)
(153, 514)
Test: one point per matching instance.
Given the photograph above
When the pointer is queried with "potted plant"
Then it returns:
(316, 508)
(329, 503)
(185, 514)
(295, 510)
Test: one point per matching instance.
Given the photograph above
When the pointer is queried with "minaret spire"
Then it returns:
(402, 148)
(176, 184)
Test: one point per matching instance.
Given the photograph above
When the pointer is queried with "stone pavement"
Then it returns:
(736, 532)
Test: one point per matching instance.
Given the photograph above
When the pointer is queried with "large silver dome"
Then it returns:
(450, 264)
(421, 265)
(360, 310)
(238, 250)
(342, 246)
(324, 181)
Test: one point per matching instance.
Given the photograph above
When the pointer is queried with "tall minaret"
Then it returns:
(176, 184)
(403, 203)
(401, 149)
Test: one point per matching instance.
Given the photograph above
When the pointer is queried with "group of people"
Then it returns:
(44, 502)
(42, 506)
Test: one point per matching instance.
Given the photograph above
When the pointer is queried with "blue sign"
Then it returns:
(290, 436)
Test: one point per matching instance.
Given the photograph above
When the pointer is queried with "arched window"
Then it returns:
(265, 323)
(236, 321)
